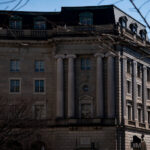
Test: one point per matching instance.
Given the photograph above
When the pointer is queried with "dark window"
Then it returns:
(123, 21)
(128, 87)
(15, 22)
(129, 66)
(148, 93)
(139, 90)
(139, 115)
(39, 86)
(39, 66)
(14, 86)
(86, 18)
(133, 28)
(39, 23)
(148, 74)
(143, 34)
(14, 65)
(139, 71)
(129, 112)
(149, 117)
(85, 64)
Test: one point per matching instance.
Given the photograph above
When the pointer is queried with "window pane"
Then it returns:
(14, 86)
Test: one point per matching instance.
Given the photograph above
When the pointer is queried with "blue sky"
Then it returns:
(55, 5)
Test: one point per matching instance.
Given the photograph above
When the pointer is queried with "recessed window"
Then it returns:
(129, 112)
(133, 28)
(85, 88)
(39, 111)
(148, 93)
(39, 23)
(86, 18)
(129, 67)
(85, 64)
(129, 87)
(139, 90)
(148, 74)
(148, 116)
(143, 34)
(139, 114)
(14, 86)
(123, 21)
(39, 86)
(15, 22)
(14, 65)
(139, 71)
(86, 110)
(39, 66)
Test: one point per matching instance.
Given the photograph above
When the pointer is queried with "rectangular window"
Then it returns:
(14, 65)
(148, 75)
(139, 71)
(139, 115)
(39, 25)
(15, 24)
(148, 93)
(148, 116)
(129, 112)
(129, 66)
(39, 86)
(14, 86)
(39, 111)
(139, 90)
(128, 87)
(39, 66)
(85, 64)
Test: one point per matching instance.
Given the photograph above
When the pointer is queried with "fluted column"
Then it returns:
(144, 91)
(134, 94)
(60, 87)
(110, 85)
(99, 86)
(71, 87)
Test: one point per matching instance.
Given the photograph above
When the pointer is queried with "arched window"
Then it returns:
(133, 28)
(143, 34)
(38, 145)
(15, 22)
(39, 23)
(123, 21)
(86, 18)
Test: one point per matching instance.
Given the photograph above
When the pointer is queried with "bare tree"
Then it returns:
(16, 122)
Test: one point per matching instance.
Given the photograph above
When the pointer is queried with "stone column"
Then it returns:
(99, 86)
(124, 86)
(134, 93)
(60, 87)
(144, 91)
(71, 86)
(110, 85)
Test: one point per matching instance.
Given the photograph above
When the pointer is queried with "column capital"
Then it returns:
(71, 56)
(60, 56)
(110, 54)
(99, 54)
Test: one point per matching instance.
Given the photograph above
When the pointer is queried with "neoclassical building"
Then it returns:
(87, 71)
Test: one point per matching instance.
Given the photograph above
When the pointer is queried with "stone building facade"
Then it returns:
(86, 70)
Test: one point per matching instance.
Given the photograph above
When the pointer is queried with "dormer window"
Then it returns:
(123, 21)
(133, 28)
(15, 22)
(86, 18)
(39, 23)
(143, 34)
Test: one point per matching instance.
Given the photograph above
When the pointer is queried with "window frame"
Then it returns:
(10, 79)
(85, 64)
(86, 18)
(14, 65)
(42, 79)
(38, 63)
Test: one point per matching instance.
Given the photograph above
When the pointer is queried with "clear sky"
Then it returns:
(55, 5)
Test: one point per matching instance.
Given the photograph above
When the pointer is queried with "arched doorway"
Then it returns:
(14, 145)
(38, 145)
